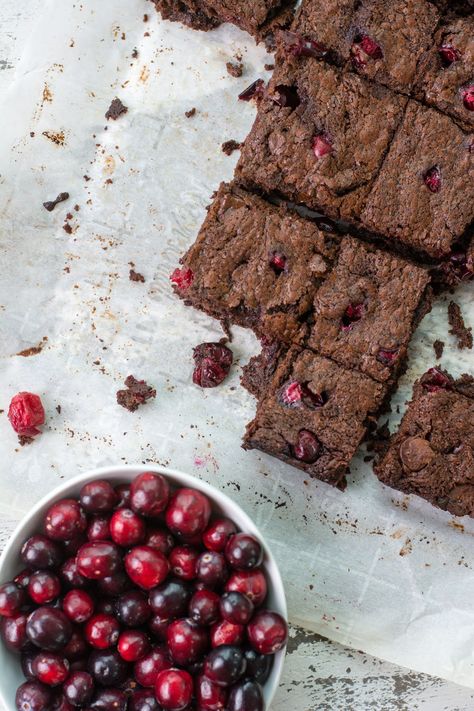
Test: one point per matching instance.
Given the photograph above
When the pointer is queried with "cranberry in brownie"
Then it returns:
(327, 23)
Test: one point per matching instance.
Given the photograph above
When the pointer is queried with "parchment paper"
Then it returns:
(374, 570)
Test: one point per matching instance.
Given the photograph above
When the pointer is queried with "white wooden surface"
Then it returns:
(319, 674)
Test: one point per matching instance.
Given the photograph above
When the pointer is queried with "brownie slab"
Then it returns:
(432, 454)
(365, 312)
(320, 137)
(423, 197)
(256, 264)
(314, 414)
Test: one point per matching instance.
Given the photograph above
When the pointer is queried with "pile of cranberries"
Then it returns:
(135, 598)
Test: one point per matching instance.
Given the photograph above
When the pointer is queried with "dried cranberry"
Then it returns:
(387, 355)
(364, 48)
(468, 97)
(321, 145)
(434, 379)
(286, 96)
(352, 314)
(448, 54)
(298, 46)
(182, 278)
(26, 414)
(212, 364)
(432, 179)
(307, 447)
(277, 261)
(254, 91)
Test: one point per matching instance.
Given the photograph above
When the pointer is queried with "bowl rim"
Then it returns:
(126, 472)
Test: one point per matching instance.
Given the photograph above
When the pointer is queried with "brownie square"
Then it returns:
(446, 71)
(326, 22)
(314, 414)
(365, 312)
(432, 454)
(255, 264)
(423, 198)
(320, 137)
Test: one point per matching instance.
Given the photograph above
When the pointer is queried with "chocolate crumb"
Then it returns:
(438, 348)
(24, 439)
(269, 67)
(34, 350)
(115, 110)
(462, 333)
(190, 113)
(86, 178)
(135, 53)
(137, 393)
(58, 409)
(230, 146)
(32, 134)
(51, 204)
(145, 18)
(67, 228)
(136, 276)
(77, 208)
(235, 69)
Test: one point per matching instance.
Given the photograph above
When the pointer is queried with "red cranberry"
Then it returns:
(352, 314)
(183, 561)
(133, 645)
(291, 394)
(147, 669)
(322, 145)
(251, 583)
(124, 496)
(107, 667)
(468, 97)
(244, 552)
(48, 628)
(12, 598)
(158, 626)
(211, 569)
(102, 631)
(224, 633)
(246, 696)
(182, 277)
(174, 689)
(218, 533)
(267, 632)
(65, 520)
(432, 179)
(434, 379)
(22, 580)
(236, 608)
(254, 91)
(41, 553)
(448, 54)
(298, 46)
(143, 700)
(188, 512)
(127, 528)
(149, 494)
(115, 584)
(170, 600)
(44, 587)
(98, 529)
(133, 609)
(109, 700)
(363, 49)
(159, 539)
(307, 447)
(33, 696)
(79, 688)
(258, 665)
(387, 356)
(26, 414)
(286, 96)
(146, 567)
(277, 261)
(98, 497)
(13, 632)
(76, 649)
(50, 668)
(212, 362)
(204, 607)
(225, 665)
(209, 696)
(187, 642)
(70, 576)
(98, 559)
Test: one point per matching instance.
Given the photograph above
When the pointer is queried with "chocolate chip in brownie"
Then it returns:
(228, 147)
(116, 109)
(137, 392)
(462, 333)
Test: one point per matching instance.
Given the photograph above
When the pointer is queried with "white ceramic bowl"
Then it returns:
(11, 676)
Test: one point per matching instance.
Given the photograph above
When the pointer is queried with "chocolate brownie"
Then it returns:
(446, 71)
(255, 264)
(320, 137)
(314, 414)
(326, 22)
(432, 454)
(423, 197)
(365, 312)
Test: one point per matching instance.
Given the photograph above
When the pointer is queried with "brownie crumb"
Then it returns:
(67, 228)
(190, 113)
(438, 348)
(235, 69)
(58, 409)
(115, 110)
(24, 439)
(269, 67)
(136, 276)
(34, 350)
(86, 178)
(462, 333)
(135, 53)
(137, 393)
(51, 204)
(230, 146)
(145, 18)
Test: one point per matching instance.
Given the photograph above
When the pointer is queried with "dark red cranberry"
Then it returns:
(33, 696)
(147, 669)
(13, 632)
(50, 668)
(225, 665)
(254, 91)
(146, 567)
(102, 631)
(187, 642)
(133, 645)
(98, 529)
(27, 660)
(322, 145)
(298, 46)
(251, 583)
(127, 528)
(70, 576)
(98, 559)
(174, 689)
(76, 649)
(244, 552)
(149, 494)
(209, 696)
(107, 667)
(286, 96)
(267, 632)
(109, 700)
(307, 447)
(26, 414)
(363, 49)
(218, 533)
(468, 97)
(12, 598)
(170, 599)
(258, 665)
(448, 54)
(65, 520)
(39, 553)
(159, 539)
(133, 609)
(115, 584)
(224, 633)
(123, 496)
(432, 179)
(182, 278)
(98, 497)
(434, 379)
(211, 569)
(44, 587)
(204, 607)
(23, 579)
(79, 688)
(352, 314)
(143, 700)
(246, 696)
(188, 512)
(183, 561)
(158, 626)
(212, 362)
(49, 629)
(277, 260)
(291, 394)
(236, 608)
(387, 356)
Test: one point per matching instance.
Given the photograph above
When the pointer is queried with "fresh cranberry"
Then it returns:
(277, 260)
(41, 553)
(76, 649)
(158, 626)
(107, 667)
(432, 179)
(218, 533)
(468, 97)
(146, 567)
(211, 569)
(298, 46)
(448, 54)
(225, 665)
(244, 552)
(22, 580)
(98, 559)
(115, 584)
(160, 539)
(352, 314)
(188, 512)
(79, 688)
(204, 607)
(434, 379)
(267, 632)
(33, 696)
(209, 696)
(387, 356)
(182, 277)
(322, 145)
(13, 632)
(187, 642)
(236, 608)
(26, 414)
(307, 447)
(147, 669)
(170, 599)
(127, 528)
(133, 645)
(224, 632)
(123, 495)
(44, 587)
(149, 494)
(258, 665)
(49, 629)
(98, 529)
(286, 96)
(254, 91)
(363, 49)
(109, 700)
(174, 689)
(251, 583)
(12, 598)
(143, 700)
(70, 576)
(183, 561)
(133, 609)
(50, 668)
(65, 520)
(246, 696)
(212, 362)
(98, 497)
(102, 631)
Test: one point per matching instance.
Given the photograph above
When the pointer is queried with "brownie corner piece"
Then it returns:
(313, 414)
(432, 453)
